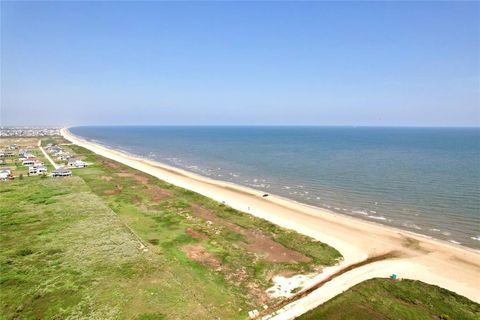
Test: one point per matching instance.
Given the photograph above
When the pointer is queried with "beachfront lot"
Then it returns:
(112, 242)
(120, 243)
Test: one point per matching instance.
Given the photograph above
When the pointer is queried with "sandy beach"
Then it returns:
(418, 257)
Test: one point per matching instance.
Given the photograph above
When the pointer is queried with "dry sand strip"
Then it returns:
(453, 267)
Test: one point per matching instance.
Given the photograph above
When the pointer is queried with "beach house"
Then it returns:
(76, 163)
(5, 174)
(7, 153)
(36, 170)
(61, 172)
(29, 162)
(65, 156)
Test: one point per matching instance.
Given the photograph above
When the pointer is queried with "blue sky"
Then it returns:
(250, 63)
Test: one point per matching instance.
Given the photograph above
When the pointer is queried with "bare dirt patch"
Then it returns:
(136, 199)
(256, 241)
(106, 178)
(117, 190)
(237, 276)
(110, 164)
(138, 178)
(198, 253)
(196, 234)
(158, 194)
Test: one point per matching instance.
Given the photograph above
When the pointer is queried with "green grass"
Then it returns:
(170, 218)
(74, 257)
(387, 299)
(73, 248)
(69, 248)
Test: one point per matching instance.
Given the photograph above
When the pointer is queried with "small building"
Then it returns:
(29, 162)
(65, 157)
(23, 153)
(5, 174)
(8, 153)
(55, 150)
(36, 170)
(76, 163)
(61, 172)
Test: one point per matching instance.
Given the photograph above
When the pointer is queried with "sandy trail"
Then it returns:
(56, 166)
(432, 261)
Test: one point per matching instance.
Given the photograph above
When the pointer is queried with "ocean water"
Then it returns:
(424, 180)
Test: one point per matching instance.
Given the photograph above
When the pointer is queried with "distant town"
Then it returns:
(28, 132)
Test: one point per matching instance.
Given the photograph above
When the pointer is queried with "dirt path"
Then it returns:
(272, 311)
(56, 166)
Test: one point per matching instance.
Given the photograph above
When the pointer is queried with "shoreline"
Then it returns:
(420, 217)
(424, 258)
(252, 191)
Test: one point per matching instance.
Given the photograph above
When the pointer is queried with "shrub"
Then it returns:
(24, 252)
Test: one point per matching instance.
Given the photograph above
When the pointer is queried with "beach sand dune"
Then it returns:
(450, 266)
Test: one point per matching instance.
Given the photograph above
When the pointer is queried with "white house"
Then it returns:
(61, 172)
(4, 174)
(29, 162)
(65, 156)
(34, 170)
(76, 163)
(7, 153)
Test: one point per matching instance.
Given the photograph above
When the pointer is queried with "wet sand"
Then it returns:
(450, 266)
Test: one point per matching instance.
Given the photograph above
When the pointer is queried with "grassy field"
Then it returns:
(387, 299)
(113, 243)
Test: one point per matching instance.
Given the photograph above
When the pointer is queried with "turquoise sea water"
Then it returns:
(425, 180)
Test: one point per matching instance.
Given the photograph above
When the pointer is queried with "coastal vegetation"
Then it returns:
(387, 299)
(111, 242)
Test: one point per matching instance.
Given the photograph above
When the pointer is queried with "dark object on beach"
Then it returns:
(265, 195)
